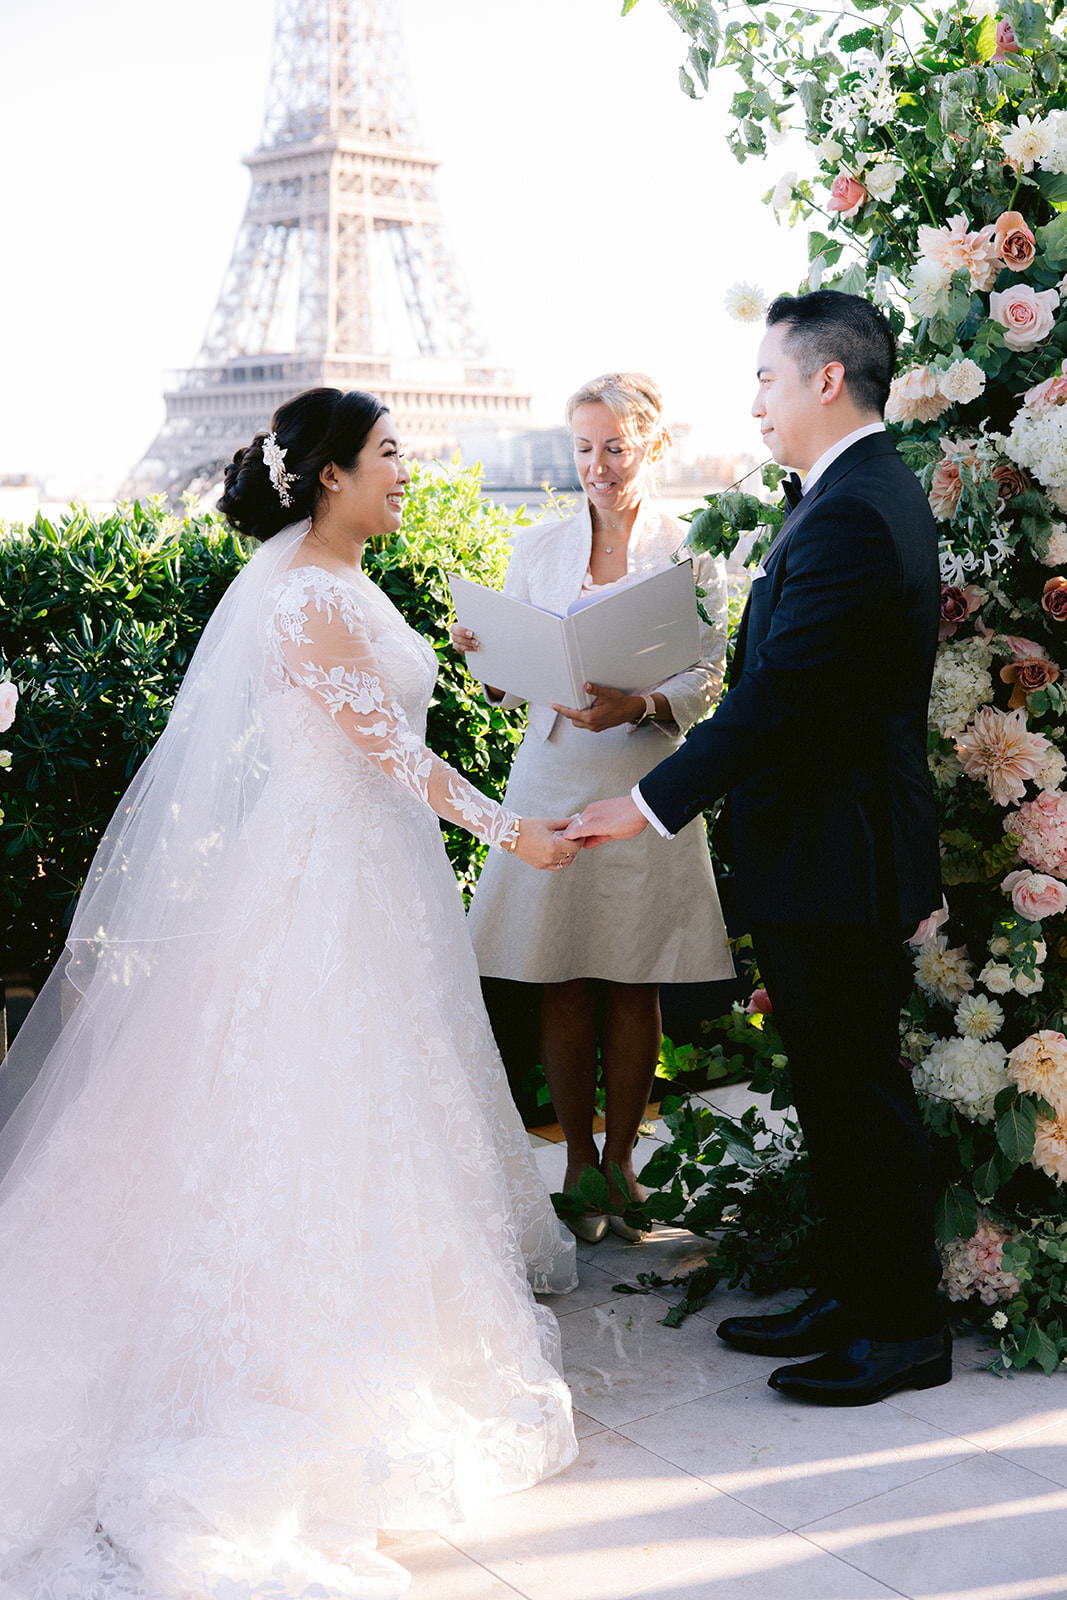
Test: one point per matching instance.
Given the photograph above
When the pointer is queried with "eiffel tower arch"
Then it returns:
(341, 273)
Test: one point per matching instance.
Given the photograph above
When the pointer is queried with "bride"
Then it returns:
(269, 1222)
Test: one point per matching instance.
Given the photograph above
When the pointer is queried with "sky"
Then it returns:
(595, 211)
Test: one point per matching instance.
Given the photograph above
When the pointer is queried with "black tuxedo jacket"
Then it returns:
(820, 742)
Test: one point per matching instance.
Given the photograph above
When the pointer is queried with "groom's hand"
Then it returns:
(607, 819)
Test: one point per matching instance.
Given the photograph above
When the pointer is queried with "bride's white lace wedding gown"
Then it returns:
(264, 1285)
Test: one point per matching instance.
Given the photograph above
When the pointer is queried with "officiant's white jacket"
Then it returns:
(548, 568)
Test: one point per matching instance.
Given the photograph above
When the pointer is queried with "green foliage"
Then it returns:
(98, 620)
(915, 105)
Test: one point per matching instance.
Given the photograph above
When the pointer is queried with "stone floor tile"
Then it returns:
(585, 1427)
(980, 1527)
(441, 1572)
(667, 1250)
(622, 1363)
(988, 1410)
(1044, 1451)
(621, 1523)
(792, 1462)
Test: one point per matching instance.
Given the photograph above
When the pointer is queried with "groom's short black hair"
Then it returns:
(827, 325)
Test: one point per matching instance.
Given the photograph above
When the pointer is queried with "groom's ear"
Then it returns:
(831, 382)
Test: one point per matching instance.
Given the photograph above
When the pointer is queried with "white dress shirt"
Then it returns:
(815, 471)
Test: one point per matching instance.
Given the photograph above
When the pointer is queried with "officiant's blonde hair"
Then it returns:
(633, 397)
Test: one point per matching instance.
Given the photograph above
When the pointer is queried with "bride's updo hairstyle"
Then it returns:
(313, 429)
(632, 397)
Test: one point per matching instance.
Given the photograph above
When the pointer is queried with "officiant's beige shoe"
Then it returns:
(591, 1227)
(623, 1229)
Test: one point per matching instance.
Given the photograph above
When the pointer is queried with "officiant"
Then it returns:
(603, 937)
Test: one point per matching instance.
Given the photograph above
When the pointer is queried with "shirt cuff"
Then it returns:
(649, 815)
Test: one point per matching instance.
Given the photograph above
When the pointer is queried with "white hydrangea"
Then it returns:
(979, 1017)
(967, 1072)
(943, 973)
(1052, 771)
(1056, 554)
(1038, 441)
(1031, 141)
(745, 302)
(961, 684)
(962, 382)
(996, 977)
(881, 180)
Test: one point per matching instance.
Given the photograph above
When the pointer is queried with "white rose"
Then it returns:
(999, 946)
(882, 179)
(9, 699)
(830, 151)
(1040, 951)
(996, 978)
(1025, 985)
(783, 191)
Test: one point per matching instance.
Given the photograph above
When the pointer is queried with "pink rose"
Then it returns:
(759, 1003)
(9, 699)
(847, 194)
(946, 486)
(1006, 45)
(956, 606)
(1034, 895)
(1052, 392)
(1015, 244)
(1027, 316)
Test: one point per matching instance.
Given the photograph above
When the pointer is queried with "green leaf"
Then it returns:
(686, 84)
(627, 7)
(1016, 1127)
(593, 1187)
(1053, 236)
(984, 38)
(987, 1179)
(956, 1214)
(1053, 186)
(1037, 1346)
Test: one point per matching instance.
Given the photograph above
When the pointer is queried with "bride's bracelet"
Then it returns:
(510, 840)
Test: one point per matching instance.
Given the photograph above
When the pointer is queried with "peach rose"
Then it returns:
(956, 606)
(1006, 43)
(1054, 599)
(1035, 895)
(847, 194)
(1015, 244)
(759, 1003)
(1026, 315)
(1027, 676)
(1012, 481)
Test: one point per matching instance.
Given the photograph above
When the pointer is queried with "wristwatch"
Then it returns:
(648, 714)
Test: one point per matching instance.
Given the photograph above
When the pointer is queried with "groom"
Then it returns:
(819, 749)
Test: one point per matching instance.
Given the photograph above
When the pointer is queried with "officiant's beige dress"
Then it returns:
(643, 910)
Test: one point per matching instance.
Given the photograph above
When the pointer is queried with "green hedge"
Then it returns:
(98, 620)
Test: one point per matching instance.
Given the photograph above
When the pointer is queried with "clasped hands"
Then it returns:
(546, 842)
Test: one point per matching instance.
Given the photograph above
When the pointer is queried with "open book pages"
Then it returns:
(632, 638)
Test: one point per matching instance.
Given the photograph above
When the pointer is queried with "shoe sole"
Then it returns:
(929, 1376)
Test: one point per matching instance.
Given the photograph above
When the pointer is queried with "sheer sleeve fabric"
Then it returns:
(327, 651)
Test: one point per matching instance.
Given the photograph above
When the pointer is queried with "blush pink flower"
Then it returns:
(957, 250)
(1041, 828)
(1050, 1148)
(998, 751)
(914, 396)
(1034, 895)
(975, 1265)
(1054, 599)
(759, 1003)
(1006, 42)
(847, 195)
(956, 606)
(1013, 241)
(1026, 315)
(1039, 1067)
(1051, 392)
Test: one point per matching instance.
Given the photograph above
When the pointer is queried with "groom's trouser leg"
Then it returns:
(837, 992)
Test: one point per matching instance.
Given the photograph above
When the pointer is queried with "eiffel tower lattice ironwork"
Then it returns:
(342, 272)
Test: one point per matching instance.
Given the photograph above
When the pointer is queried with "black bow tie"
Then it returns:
(792, 490)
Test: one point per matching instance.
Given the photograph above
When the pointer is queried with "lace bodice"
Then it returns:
(343, 648)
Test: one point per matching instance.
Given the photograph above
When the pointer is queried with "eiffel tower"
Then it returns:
(341, 273)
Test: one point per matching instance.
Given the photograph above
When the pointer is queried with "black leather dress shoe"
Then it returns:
(868, 1369)
(818, 1323)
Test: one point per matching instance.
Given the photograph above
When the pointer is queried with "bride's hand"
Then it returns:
(541, 843)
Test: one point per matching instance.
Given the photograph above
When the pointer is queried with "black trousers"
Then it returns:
(837, 991)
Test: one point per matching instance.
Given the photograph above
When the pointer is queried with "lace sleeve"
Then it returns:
(327, 651)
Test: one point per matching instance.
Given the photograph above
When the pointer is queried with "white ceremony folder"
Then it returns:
(633, 638)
